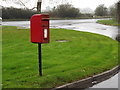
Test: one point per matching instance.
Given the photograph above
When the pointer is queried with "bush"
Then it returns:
(15, 13)
(65, 10)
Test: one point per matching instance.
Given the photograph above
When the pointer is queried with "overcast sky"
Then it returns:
(92, 3)
(47, 4)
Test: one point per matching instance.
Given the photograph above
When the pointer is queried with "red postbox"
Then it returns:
(39, 25)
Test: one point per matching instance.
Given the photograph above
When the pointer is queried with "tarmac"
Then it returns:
(110, 83)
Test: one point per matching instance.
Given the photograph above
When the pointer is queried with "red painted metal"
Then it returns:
(39, 25)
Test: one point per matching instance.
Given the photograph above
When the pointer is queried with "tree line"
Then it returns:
(61, 11)
(15, 13)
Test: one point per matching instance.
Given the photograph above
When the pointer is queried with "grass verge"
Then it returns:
(83, 55)
(109, 22)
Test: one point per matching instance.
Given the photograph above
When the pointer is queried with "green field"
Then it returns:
(111, 22)
(83, 55)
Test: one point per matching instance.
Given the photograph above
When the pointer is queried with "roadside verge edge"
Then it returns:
(90, 81)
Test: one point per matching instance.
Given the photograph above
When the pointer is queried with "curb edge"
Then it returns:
(90, 81)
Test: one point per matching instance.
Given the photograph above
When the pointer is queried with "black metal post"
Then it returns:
(40, 58)
(39, 44)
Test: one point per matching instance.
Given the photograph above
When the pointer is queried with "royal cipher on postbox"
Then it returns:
(39, 25)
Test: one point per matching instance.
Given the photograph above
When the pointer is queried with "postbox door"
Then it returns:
(45, 35)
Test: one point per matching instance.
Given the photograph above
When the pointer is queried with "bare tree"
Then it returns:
(30, 3)
(21, 3)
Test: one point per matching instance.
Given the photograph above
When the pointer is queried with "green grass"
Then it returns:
(109, 22)
(85, 54)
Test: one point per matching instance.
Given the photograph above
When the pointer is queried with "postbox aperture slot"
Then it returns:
(45, 19)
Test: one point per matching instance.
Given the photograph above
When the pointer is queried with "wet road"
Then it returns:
(110, 83)
(88, 25)
(25, 24)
